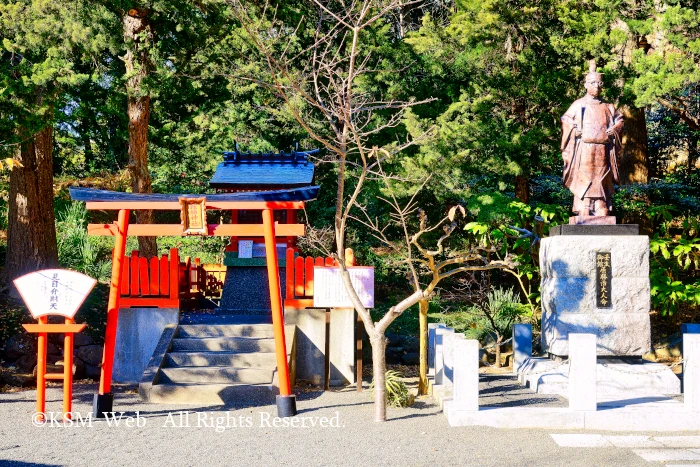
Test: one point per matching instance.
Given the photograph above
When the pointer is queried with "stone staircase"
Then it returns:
(215, 364)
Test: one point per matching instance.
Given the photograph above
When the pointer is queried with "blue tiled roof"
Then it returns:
(299, 194)
(279, 169)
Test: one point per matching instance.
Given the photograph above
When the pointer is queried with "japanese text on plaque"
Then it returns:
(603, 280)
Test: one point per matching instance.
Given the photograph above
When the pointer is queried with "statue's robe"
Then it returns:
(590, 161)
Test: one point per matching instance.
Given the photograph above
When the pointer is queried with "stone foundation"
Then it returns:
(568, 268)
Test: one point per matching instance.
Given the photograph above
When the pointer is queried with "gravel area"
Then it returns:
(418, 435)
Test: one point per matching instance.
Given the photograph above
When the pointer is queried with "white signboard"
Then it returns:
(54, 291)
(245, 248)
(329, 291)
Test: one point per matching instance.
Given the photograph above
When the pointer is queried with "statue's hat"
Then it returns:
(593, 72)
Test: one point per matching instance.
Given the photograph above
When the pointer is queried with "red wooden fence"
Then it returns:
(299, 278)
(151, 282)
(163, 282)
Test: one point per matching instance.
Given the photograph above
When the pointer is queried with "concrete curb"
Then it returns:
(669, 417)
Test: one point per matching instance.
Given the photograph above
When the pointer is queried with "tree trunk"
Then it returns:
(522, 188)
(379, 376)
(137, 36)
(31, 231)
(693, 149)
(423, 324)
(634, 163)
(499, 338)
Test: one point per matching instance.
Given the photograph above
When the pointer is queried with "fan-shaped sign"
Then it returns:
(54, 291)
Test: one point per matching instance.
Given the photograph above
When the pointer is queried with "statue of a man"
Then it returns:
(590, 145)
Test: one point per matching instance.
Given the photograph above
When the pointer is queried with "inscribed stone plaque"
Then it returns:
(54, 291)
(329, 291)
(603, 272)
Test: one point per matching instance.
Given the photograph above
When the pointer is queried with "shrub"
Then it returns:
(77, 250)
(396, 390)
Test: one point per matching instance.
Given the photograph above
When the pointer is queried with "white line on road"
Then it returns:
(581, 441)
(679, 441)
(662, 455)
(633, 442)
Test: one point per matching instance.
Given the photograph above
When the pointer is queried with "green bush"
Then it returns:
(78, 251)
(504, 307)
(396, 390)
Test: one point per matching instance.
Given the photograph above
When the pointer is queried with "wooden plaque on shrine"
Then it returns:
(193, 216)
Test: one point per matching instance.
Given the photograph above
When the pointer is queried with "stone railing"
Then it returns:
(454, 373)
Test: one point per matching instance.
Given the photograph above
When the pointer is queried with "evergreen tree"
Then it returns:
(41, 44)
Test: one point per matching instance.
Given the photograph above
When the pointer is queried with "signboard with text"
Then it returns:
(193, 216)
(54, 291)
(329, 291)
(245, 248)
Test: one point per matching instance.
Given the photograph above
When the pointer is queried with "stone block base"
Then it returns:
(570, 288)
(617, 334)
(546, 376)
(592, 220)
(649, 416)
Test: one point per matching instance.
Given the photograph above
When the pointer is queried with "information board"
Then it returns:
(329, 291)
(245, 248)
(54, 291)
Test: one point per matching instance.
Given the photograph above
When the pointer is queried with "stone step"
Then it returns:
(226, 330)
(215, 394)
(214, 375)
(237, 344)
(234, 359)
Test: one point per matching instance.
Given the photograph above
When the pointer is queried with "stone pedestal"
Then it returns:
(522, 345)
(571, 284)
(592, 220)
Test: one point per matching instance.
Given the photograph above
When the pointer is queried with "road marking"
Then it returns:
(633, 442)
(581, 441)
(662, 455)
(679, 441)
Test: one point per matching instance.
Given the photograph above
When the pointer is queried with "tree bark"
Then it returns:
(379, 376)
(634, 163)
(138, 37)
(423, 325)
(693, 149)
(498, 351)
(522, 188)
(31, 231)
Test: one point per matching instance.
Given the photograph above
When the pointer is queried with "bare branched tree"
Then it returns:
(427, 267)
(327, 98)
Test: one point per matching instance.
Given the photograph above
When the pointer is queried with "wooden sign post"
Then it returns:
(329, 292)
(54, 292)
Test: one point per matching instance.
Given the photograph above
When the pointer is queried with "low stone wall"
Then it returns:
(20, 358)
(138, 333)
(311, 344)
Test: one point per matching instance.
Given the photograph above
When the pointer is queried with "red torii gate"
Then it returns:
(193, 209)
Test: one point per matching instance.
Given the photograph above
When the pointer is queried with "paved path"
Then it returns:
(418, 435)
(673, 450)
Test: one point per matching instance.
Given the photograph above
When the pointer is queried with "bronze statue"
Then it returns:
(591, 142)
